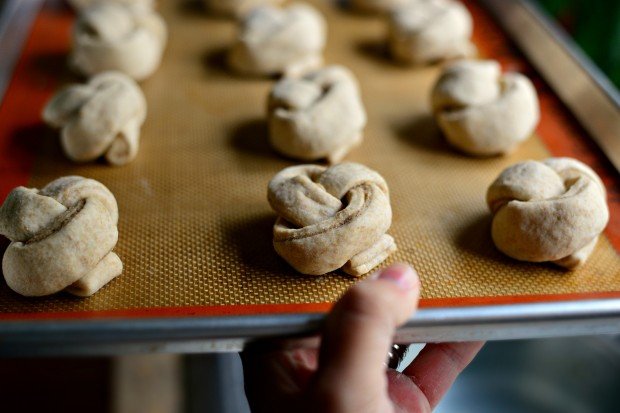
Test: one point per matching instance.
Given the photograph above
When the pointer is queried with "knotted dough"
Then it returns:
(482, 111)
(276, 41)
(115, 36)
(101, 118)
(427, 31)
(552, 210)
(331, 218)
(61, 238)
(237, 7)
(317, 116)
(377, 6)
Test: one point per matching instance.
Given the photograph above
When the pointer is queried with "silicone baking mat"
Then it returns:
(195, 226)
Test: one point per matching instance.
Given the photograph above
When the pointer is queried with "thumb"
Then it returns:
(358, 334)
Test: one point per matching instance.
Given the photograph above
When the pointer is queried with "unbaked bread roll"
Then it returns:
(101, 118)
(427, 31)
(318, 116)
(331, 218)
(377, 6)
(237, 8)
(82, 4)
(114, 36)
(276, 41)
(62, 238)
(552, 210)
(482, 111)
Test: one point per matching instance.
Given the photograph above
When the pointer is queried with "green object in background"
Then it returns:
(595, 26)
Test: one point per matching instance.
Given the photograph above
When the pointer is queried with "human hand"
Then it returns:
(348, 374)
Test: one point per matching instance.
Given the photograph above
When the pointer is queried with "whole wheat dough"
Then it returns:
(237, 8)
(331, 218)
(317, 116)
(482, 111)
(552, 210)
(101, 118)
(115, 36)
(274, 41)
(62, 238)
(377, 6)
(427, 31)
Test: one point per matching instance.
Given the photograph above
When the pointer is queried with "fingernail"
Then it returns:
(404, 276)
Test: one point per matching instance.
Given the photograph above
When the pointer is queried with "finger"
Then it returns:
(358, 334)
(405, 395)
(438, 365)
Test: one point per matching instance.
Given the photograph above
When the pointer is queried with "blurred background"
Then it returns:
(595, 27)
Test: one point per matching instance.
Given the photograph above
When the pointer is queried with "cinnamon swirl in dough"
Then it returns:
(237, 7)
(317, 116)
(101, 118)
(552, 210)
(331, 218)
(276, 41)
(427, 31)
(482, 111)
(62, 238)
(115, 36)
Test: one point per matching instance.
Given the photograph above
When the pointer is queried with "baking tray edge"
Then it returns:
(227, 334)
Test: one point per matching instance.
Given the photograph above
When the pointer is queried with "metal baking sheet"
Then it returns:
(200, 273)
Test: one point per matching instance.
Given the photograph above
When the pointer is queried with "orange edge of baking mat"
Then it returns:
(29, 90)
(259, 309)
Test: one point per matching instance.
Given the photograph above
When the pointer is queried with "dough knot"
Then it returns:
(552, 210)
(331, 218)
(317, 116)
(482, 111)
(61, 238)
(116, 36)
(276, 41)
(427, 31)
(101, 118)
